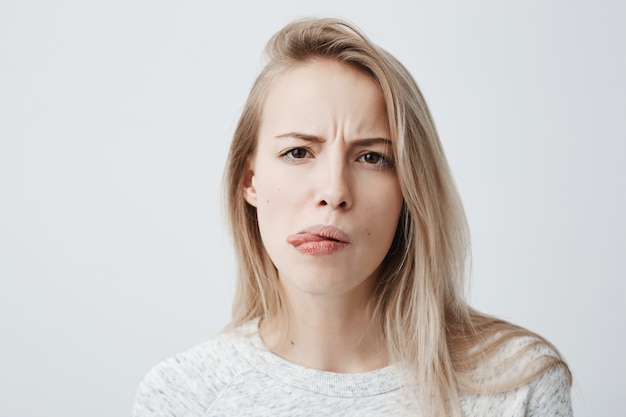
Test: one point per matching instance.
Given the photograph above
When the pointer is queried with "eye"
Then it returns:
(297, 153)
(294, 154)
(376, 159)
(372, 158)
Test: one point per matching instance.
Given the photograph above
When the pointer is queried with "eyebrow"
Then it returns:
(317, 139)
(301, 136)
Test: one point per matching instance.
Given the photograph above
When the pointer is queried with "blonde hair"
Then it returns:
(420, 308)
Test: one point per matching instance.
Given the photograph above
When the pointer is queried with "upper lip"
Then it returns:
(327, 232)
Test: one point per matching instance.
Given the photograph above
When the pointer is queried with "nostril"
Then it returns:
(342, 204)
(323, 203)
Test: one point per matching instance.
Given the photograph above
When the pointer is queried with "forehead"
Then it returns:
(325, 91)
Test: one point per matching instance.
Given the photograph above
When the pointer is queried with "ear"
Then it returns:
(249, 191)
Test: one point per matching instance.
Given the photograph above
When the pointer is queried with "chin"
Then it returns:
(321, 284)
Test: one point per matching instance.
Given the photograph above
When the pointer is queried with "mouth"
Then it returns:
(319, 240)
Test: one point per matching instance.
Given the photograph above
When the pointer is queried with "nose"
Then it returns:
(335, 190)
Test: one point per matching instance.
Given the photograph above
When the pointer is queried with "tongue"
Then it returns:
(300, 238)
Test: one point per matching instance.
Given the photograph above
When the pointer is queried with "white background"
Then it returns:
(115, 118)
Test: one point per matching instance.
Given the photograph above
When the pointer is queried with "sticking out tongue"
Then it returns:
(301, 238)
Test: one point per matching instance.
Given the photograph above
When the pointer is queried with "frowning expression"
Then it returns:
(322, 178)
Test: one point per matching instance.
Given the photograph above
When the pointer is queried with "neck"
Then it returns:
(329, 333)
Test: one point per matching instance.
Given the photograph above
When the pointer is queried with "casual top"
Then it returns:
(234, 374)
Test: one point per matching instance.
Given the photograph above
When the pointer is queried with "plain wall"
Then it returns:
(115, 120)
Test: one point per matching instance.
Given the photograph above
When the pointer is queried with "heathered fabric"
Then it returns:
(234, 374)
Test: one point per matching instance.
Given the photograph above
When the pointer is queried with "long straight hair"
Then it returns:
(419, 299)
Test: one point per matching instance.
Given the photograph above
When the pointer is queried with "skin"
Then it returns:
(324, 158)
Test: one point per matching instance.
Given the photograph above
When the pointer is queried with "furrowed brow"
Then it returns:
(357, 142)
(373, 141)
(301, 136)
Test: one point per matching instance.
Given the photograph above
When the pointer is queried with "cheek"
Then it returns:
(383, 215)
(277, 215)
(272, 195)
(279, 185)
(384, 201)
(278, 197)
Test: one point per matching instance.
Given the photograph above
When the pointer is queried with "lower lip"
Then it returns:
(320, 248)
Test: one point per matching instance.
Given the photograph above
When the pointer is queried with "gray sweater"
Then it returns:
(234, 374)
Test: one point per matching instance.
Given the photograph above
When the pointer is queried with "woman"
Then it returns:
(352, 244)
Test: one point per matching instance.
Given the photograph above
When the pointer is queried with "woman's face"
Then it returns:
(322, 179)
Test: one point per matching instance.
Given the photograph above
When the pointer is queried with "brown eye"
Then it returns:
(297, 153)
(376, 159)
(371, 158)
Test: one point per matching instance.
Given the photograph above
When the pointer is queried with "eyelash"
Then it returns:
(382, 162)
(288, 154)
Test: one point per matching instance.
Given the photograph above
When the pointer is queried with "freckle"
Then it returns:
(267, 201)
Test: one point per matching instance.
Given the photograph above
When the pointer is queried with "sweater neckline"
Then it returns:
(327, 383)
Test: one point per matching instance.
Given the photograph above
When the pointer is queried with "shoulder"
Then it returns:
(189, 382)
(523, 376)
(546, 395)
(489, 351)
(525, 357)
(549, 393)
